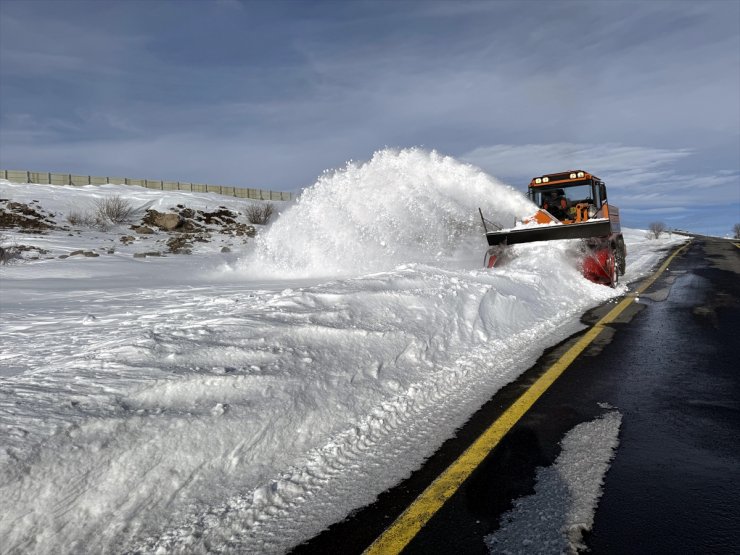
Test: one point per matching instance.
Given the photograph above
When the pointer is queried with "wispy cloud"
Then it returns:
(533, 159)
(518, 88)
(645, 182)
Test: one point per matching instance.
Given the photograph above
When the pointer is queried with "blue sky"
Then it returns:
(270, 94)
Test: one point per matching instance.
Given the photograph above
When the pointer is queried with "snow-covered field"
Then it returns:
(243, 401)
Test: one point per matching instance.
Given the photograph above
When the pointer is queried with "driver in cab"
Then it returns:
(556, 204)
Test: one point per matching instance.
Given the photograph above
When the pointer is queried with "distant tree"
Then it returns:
(657, 228)
(736, 231)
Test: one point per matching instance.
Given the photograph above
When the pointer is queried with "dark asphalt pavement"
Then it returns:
(674, 486)
(669, 364)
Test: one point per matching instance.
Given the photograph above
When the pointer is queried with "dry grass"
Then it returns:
(8, 252)
(114, 210)
(259, 213)
(84, 219)
(105, 213)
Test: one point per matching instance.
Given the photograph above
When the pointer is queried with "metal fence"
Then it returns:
(50, 178)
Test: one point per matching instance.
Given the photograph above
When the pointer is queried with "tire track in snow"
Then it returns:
(408, 427)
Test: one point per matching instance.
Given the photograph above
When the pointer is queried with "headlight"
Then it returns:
(545, 179)
(572, 176)
(580, 174)
(538, 180)
(591, 211)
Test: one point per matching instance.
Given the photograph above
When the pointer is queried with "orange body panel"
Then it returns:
(541, 217)
(551, 181)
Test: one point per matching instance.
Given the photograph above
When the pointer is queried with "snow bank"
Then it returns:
(169, 403)
(63, 200)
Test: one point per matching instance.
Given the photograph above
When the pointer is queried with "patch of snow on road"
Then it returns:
(553, 519)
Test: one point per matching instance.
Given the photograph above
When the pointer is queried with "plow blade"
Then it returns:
(585, 230)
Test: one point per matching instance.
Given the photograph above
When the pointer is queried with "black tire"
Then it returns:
(620, 253)
(614, 271)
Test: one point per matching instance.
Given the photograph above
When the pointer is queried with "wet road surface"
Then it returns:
(674, 485)
(668, 364)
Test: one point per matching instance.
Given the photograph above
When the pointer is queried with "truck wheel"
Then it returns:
(621, 256)
(611, 266)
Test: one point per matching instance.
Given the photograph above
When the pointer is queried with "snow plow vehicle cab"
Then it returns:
(572, 205)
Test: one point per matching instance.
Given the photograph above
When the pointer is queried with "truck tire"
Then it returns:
(620, 253)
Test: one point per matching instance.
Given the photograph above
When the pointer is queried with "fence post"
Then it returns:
(261, 194)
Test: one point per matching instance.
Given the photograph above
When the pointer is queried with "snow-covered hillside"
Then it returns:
(245, 400)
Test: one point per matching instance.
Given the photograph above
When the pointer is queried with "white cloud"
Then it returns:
(534, 159)
(644, 182)
(508, 85)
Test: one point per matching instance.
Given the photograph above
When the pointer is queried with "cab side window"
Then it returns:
(597, 196)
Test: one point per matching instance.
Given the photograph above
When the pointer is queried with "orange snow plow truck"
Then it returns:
(572, 205)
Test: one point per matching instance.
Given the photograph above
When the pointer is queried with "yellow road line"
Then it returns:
(662, 269)
(397, 536)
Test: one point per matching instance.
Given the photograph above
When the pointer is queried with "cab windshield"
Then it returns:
(576, 194)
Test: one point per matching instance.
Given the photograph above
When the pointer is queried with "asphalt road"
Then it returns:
(669, 364)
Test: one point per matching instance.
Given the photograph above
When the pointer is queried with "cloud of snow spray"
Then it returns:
(402, 206)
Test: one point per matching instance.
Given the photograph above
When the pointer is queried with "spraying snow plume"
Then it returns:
(401, 206)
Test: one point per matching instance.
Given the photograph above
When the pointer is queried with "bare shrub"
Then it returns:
(736, 231)
(85, 219)
(259, 213)
(8, 253)
(75, 217)
(657, 228)
(112, 210)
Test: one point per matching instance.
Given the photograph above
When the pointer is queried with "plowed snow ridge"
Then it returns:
(218, 407)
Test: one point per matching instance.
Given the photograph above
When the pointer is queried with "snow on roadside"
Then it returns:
(553, 519)
(203, 402)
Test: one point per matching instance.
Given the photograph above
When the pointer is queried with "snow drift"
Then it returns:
(145, 406)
